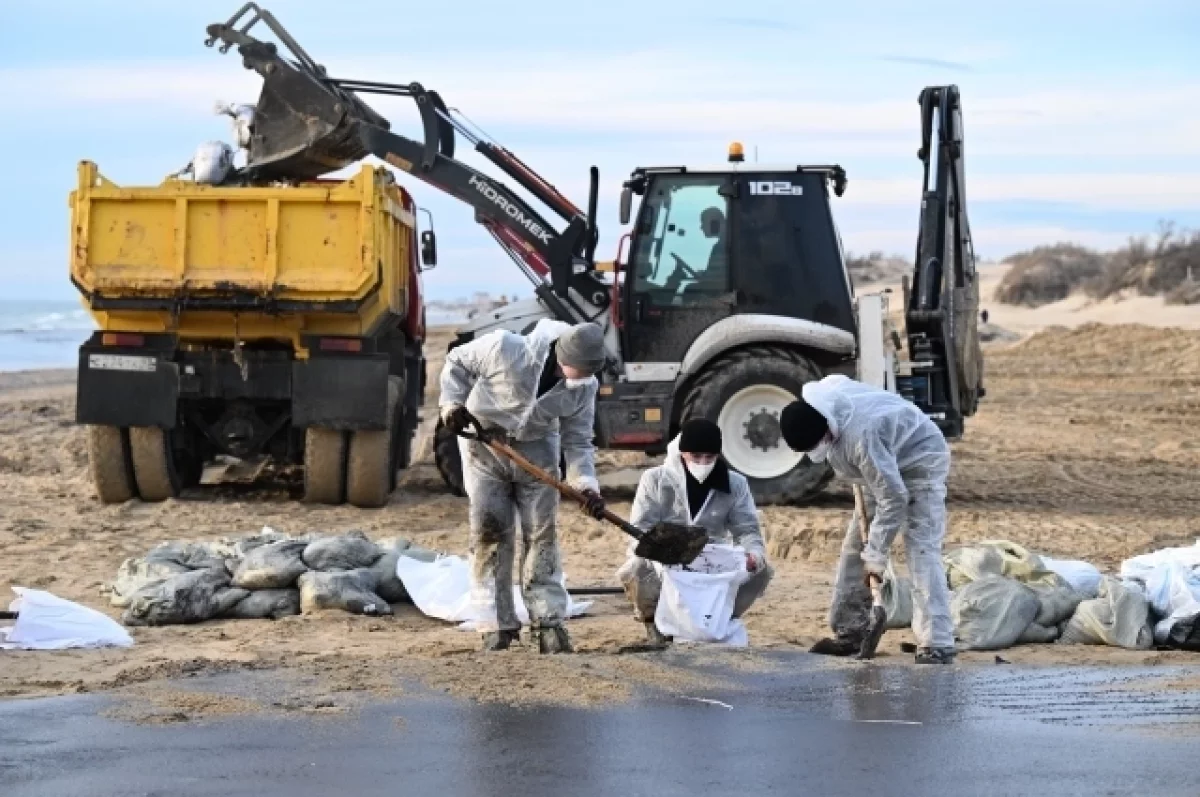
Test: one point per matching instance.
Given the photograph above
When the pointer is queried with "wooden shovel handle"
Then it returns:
(566, 490)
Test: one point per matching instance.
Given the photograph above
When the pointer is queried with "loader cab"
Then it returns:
(708, 244)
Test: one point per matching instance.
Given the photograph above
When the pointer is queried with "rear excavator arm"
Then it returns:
(307, 124)
(942, 308)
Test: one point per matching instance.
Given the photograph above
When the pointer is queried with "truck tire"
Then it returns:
(448, 459)
(110, 464)
(370, 468)
(324, 465)
(744, 393)
(153, 466)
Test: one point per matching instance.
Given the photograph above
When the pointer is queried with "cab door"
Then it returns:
(678, 278)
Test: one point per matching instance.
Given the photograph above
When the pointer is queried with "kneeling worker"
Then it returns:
(695, 486)
(876, 438)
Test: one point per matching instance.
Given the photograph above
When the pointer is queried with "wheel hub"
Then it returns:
(749, 421)
(762, 430)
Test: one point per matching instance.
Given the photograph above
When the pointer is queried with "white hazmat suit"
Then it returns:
(728, 517)
(889, 446)
(496, 377)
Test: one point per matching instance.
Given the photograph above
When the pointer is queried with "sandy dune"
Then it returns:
(1086, 446)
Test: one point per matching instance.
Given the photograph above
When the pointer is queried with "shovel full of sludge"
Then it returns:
(668, 543)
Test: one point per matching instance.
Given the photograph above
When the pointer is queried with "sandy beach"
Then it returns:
(1085, 447)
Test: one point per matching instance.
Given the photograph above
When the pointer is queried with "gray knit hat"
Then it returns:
(582, 346)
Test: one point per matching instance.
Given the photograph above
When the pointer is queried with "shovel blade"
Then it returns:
(875, 631)
(672, 543)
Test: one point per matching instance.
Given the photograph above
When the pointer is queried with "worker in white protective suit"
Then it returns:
(877, 439)
(694, 486)
(539, 390)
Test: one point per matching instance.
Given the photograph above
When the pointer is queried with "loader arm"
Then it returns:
(942, 308)
(308, 124)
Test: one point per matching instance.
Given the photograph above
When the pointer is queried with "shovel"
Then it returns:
(668, 543)
(877, 622)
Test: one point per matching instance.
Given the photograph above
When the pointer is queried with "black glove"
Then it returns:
(458, 420)
(594, 505)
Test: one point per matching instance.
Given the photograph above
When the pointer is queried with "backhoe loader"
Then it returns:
(734, 291)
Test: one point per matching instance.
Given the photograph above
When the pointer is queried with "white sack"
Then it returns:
(696, 602)
(442, 589)
(48, 622)
(1083, 577)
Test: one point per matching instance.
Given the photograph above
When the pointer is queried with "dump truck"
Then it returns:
(279, 324)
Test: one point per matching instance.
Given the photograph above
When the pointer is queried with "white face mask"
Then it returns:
(819, 453)
(700, 472)
(572, 384)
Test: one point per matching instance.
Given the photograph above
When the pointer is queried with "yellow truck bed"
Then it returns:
(142, 254)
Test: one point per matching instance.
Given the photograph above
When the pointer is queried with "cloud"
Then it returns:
(937, 63)
(660, 95)
(756, 23)
(1175, 191)
(991, 243)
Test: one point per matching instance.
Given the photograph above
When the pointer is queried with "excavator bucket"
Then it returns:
(305, 124)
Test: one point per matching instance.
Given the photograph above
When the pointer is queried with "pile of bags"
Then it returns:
(266, 575)
(1003, 595)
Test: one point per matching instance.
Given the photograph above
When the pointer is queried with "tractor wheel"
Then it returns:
(744, 392)
(324, 465)
(448, 458)
(110, 464)
(153, 463)
(370, 469)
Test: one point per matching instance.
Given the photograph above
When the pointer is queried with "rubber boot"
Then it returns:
(837, 646)
(552, 639)
(935, 656)
(500, 640)
(655, 637)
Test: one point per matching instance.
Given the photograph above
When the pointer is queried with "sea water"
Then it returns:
(47, 334)
(41, 334)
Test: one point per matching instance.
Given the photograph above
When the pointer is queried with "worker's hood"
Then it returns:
(830, 397)
(540, 338)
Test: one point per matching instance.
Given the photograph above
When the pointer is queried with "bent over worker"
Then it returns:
(539, 390)
(877, 439)
(695, 486)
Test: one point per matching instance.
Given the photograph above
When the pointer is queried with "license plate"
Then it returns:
(121, 362)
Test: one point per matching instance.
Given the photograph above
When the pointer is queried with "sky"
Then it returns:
(1082, 119)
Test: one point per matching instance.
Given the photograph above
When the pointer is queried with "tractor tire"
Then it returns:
(370, 468)
(110, 464)
(744, 392)
(448, 458)
(153, 463)
(324, 465)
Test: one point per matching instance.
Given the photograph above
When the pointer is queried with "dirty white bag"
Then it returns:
(1140, 567)
(442, 589)
(1083, 577)
(696, 602)
(1174, 593)
(897, 597)
(992, 612)
(1118, 617)
(48, 622)
(212, 162)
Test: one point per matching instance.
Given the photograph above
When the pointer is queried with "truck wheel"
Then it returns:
(369, 465)
(744, 392)
(324, 465)
(448, 459)
(153, 465)
(110, 464)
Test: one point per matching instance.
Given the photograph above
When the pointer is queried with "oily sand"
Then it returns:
(1085, 447)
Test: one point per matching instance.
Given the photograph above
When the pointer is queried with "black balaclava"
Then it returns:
(802, 426)
(700, 436)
